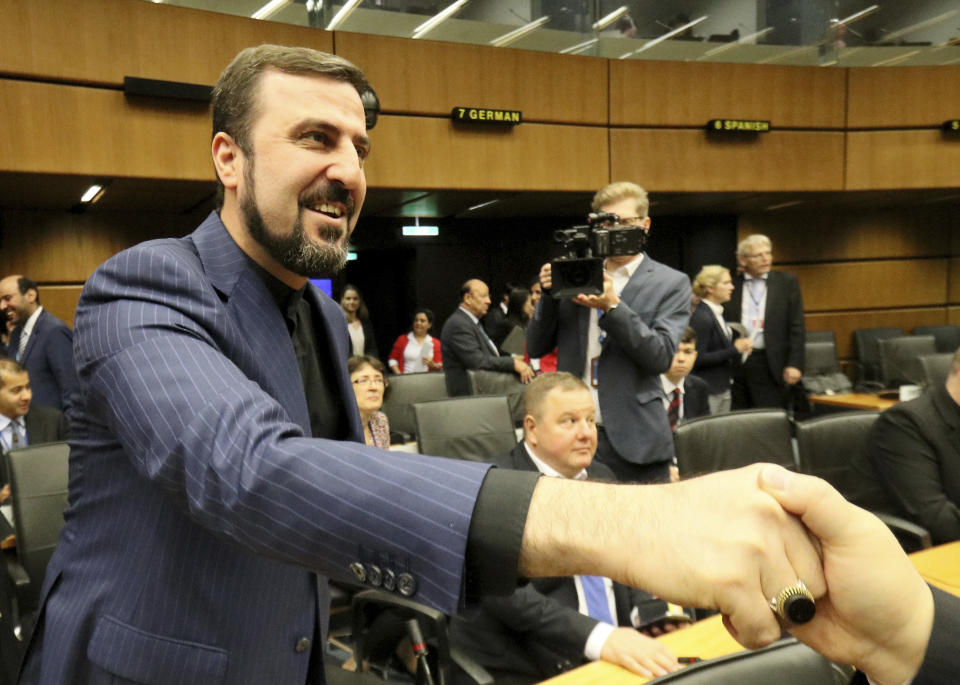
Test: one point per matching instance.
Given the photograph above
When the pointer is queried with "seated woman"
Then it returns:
(417, 350)
(717, 345)
(362, 340)
(370, 385)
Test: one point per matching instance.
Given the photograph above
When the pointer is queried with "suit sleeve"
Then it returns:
(909, 470)
(466, 345)
(59, 351)
(542, 329)
(651, 347)
(796, 326)
(193, 423)
(543, 619)
(942, 660)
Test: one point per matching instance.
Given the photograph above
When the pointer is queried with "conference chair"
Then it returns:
(911, 536)
(936, 367)
(900, 358)
(822, 372)
(406, 390)
(473, 428)
(947, 336)
(735, 439)
(826, 445)
(785, 662)
(379, 620)
(38, 487)
(483, 382)
(821, 336)
(868, 353)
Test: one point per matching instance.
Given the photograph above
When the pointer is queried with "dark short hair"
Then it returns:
(9, 365)
(536, 393)
(24, 284)
(518, 298)
(358, 360)
(689, 336)
(235, 93)
(426, 312)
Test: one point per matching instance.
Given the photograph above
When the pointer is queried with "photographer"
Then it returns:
(620, 341)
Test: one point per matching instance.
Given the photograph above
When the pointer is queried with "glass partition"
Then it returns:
(806, 32)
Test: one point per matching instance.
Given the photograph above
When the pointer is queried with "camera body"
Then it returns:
(581, 270)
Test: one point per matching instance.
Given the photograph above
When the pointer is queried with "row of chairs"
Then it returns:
(822, 447)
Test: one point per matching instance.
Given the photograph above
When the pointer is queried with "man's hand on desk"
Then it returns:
(715, 542)
(638, 653)
(878, 612)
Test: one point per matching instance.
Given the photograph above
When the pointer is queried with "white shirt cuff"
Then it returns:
(598, 636)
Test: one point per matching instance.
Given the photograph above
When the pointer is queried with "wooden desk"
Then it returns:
(853, 400)
(706, 639)
(940, 566)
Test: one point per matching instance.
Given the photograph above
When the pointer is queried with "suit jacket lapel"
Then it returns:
(270, 361)
(35, 334)
(636, 282)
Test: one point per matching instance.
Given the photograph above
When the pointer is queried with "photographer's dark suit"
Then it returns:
(641, 338)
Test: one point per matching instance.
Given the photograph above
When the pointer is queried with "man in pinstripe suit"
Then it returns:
(217, 464)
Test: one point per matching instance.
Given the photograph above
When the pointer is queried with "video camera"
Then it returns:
(581, 271)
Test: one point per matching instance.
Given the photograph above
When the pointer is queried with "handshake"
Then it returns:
(746, 542)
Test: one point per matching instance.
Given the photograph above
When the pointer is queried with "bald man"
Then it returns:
(467, 346)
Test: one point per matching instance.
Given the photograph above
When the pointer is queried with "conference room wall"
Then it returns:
(868, 268)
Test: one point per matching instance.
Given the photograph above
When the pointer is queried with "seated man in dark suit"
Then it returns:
(684, 396)
(911, 464)
(21, 425)
(553, 624)
(465, 345)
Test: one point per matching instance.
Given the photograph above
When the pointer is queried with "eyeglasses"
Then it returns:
(366, 380)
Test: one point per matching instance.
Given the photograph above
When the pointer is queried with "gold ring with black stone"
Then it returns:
(794, 603)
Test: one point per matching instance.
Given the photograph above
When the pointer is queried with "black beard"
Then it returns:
(295, 251)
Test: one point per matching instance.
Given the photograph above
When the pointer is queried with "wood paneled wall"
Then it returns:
(869, 268)
(587, 121)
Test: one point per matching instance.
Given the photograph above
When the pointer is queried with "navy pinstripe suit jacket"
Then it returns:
(197, 501)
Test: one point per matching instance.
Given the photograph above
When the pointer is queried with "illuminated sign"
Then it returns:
(738, 126)
(483, 115)
(952, 126)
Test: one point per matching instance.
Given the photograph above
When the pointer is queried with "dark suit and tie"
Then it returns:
(774, 307)
(48, 358)
(538, 632)
(467, 346)
(695, 393)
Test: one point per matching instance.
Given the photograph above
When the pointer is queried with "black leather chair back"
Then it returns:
(827, 445)
(900, 358)
(947, 336)
(405, 391)
(868, 353)
(821, 336)
(936, 367)
(786, 662)
(38, 486)
(473, 428)
(735, 439)
(483, 382)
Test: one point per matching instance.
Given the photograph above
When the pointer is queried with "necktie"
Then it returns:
(21, 345)
(15, 440)
(490, 342)
(595, 594)
(673, 411)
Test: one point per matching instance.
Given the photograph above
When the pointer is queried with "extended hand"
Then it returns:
(638, 653)
(791, 375)
(878, 612)
(605, 301)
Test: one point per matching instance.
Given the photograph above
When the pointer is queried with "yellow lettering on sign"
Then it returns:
(473, 114)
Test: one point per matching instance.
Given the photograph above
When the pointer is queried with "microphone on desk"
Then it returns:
(419, 646)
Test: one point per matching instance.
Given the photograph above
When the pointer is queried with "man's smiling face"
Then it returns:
(303, 183)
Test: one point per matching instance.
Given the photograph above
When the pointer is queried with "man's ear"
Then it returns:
(529, 424)
(228, 160)
(646, 224)
(31, 295)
